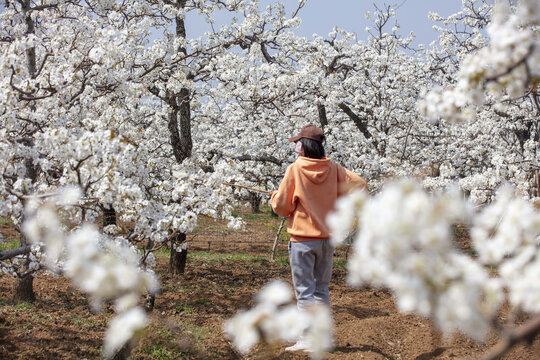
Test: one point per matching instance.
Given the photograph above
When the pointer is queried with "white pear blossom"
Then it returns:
(276, 293)
(342, 219)
(103, 267)
(122, 329)
(272, 320)
(410, 251)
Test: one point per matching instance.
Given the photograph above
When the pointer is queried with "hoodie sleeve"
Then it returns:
(349, 181)
(283, 200)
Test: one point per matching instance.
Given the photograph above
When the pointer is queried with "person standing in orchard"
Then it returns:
(307, 194)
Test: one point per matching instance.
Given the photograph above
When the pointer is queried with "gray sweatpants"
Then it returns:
(311, 267)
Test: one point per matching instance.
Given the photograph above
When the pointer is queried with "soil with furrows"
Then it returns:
(223, 273)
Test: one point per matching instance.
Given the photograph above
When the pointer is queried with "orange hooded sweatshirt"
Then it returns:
(308, 192)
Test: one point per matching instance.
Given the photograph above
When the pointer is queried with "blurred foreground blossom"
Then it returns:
(105, 268)
(343, 220)
(505, 234)
(274, 320)
(123, 328)
(410, 250)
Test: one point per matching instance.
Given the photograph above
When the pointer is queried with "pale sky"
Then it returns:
(320, 16)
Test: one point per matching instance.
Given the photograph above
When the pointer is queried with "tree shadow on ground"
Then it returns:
(7, 345)
(361, 348)
(359, 312)
(431, 355)
(56, 343)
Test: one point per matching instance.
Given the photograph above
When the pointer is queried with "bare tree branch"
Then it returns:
(261, 158)
(323, 119)
(360, 123)
(43, 7)
(245, 157)
(508, 70)
(8, 254)
(526, 332)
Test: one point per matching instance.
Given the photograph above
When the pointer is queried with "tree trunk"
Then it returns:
(123, 353)
(30, 29)
(537, 183)
(180, 133)
(149, 302)
(186, 144)
(179, 125)
(109, 216)
(177, 261)
(255, 201)
(323, 119)
(24, 289)
(180, 107)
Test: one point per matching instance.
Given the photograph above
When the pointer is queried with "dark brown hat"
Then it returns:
(310, 132)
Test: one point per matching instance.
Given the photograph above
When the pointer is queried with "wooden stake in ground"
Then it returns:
(537, 183)
(274, 247)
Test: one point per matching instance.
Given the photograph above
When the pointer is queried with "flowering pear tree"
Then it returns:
(345, 86)
(366, 97)
(65, 68)
(410, 249)
(459, 296)
(501, 143)
(179, 73)
(75, 111)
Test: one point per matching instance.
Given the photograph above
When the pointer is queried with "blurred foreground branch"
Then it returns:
(511, 337)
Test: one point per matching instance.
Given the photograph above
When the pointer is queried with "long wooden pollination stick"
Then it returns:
(248, 187)
(273, 257)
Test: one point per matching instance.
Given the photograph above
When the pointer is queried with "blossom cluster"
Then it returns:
(505, 68)
(410, 250)
(273, 319)
(505, 234)
(105, 268)
(22, 265)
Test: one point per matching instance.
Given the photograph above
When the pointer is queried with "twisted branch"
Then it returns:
(511, 337)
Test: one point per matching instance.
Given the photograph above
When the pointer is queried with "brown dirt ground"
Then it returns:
(188, 316)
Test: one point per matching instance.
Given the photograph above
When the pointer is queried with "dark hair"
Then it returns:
(312, 148)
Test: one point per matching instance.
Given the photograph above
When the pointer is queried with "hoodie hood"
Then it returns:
(315, 170)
